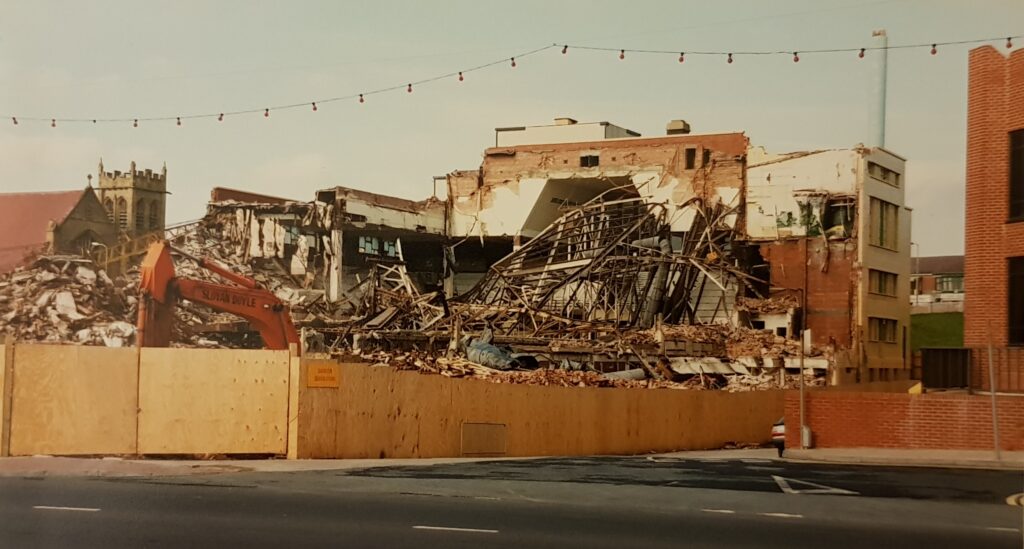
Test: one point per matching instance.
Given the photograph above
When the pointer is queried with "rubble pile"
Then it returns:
(737, 384)
(306, 304)
(67, 299)
(737, 341)
(776, 304)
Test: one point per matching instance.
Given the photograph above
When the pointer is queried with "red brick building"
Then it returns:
(994, 259)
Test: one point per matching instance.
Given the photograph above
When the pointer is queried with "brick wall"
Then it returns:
(1009, 367)
(995, 106)
(830, 295)
(895, 420)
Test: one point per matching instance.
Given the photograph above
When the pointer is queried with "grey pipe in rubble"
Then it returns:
(657, 291)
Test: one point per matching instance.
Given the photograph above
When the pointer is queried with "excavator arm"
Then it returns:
(161, 289)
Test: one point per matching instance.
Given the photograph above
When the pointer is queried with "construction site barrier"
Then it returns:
(360, 411)
(79, 400)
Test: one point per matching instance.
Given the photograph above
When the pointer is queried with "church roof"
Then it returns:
(24, 220)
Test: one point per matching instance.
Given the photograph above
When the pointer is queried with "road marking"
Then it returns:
(750, 460)
(450, 529)
(760, 468)
(1000, 529)
(780, 515)
(723, 511)
(784, 485)
(52, 508)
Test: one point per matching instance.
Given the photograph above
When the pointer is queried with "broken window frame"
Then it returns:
(879, 172)
(882, 330)
(690, 158)
(884, 220)
(590, 160)
(882, 283)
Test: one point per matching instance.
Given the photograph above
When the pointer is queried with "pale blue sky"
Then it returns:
(138, 58)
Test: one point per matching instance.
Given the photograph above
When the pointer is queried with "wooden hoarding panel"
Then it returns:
(213, 401)
(74, 400)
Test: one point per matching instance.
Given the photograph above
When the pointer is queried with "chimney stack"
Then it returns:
(677, 127)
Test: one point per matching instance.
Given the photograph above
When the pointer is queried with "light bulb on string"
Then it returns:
(682, 57)
(15, 120)
(513, 62)
(622, 54)
(220, 117)
(179, 120)
(796, 57)
(729, 60)
(409, 88)
(135, 123)
(461, 78)
(53, 122)
(314, 106)
(1009, 42)
(861, 54)
(565, 49)
(94, 121)
(361, 100)
(934, 49)
(266, 113)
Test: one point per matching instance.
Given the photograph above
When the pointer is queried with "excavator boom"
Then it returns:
(160, 290)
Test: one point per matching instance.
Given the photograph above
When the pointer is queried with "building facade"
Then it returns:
(135, 201)
(937, 284)
(832, 226)
(51, 222)
(994, 235)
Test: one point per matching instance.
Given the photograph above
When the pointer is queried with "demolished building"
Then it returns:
(591, 247)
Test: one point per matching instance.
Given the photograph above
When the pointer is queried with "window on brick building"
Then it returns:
(691, 159)
(949, 283)
(882, 330)
(1017, 175)
(881, 283)
(884, 224)
(590, 161)
(1015, 310)
(706, 159)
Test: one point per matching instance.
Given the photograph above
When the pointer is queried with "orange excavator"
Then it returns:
(161, 289)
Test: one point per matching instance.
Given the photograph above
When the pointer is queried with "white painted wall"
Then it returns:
(771, 188)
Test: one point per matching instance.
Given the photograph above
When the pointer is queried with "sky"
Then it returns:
(143, 59)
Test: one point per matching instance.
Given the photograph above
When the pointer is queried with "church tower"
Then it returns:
(135, 201)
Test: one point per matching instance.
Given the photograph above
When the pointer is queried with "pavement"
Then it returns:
(741, 498)
(970, 459)
(131, 467)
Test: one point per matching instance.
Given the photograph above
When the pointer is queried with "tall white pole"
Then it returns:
(878, 100)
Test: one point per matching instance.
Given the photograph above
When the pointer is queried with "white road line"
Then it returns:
(784, 485)
(999, 529)
(723, 511)
(52, 508)
(449, 529)
(780, 515)
(753, 460)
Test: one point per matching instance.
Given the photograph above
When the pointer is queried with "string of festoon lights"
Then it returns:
(362, 97)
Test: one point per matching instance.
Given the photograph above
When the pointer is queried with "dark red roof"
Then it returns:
(24, 220)
(938, 264)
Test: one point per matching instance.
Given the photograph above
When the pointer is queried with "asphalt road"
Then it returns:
(591, 502)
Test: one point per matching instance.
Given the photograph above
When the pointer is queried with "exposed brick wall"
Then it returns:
(841, 419)
(995, 106)
(831, 292)
(1009, 367)
(504, 165)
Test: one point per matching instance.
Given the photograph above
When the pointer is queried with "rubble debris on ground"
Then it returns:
(67, 299)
